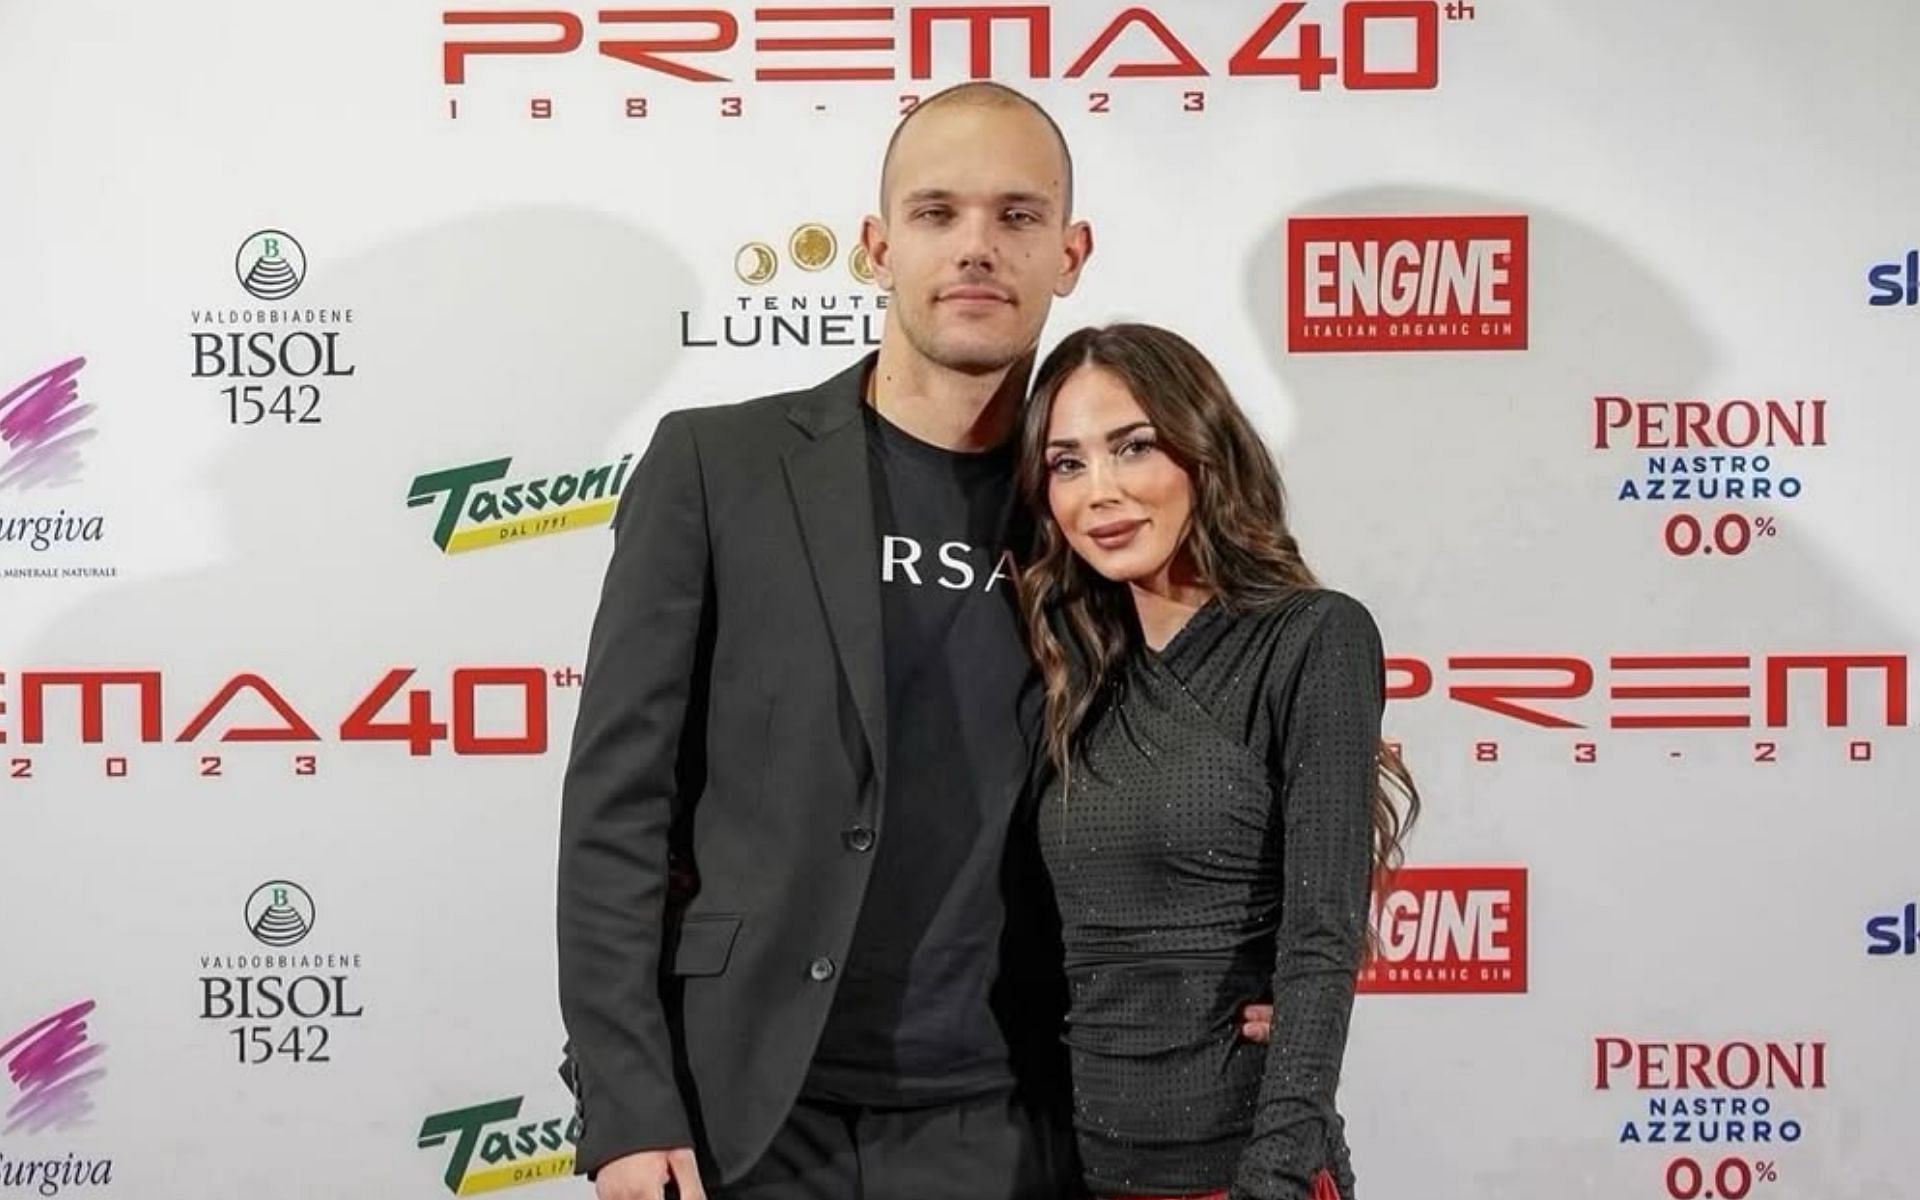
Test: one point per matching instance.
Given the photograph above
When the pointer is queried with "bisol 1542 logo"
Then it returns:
(247, 723)
(278, 362)
(710, 61)
(804, 292)
(283, 1004)
(1380, 283)
(1692, 451)
(1733, 1104)
(492, 1148)
(1450, 929)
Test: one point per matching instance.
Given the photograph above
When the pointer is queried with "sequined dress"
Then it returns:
(1212, 849)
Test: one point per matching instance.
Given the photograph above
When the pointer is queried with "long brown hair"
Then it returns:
(1237, 542)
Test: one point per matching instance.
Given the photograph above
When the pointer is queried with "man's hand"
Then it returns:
(1256, 1022)
(644, 1176)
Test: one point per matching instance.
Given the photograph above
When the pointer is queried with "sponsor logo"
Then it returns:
(1895, 283)
(271, 265)
(1357, 45)
(1668, 692)
(290, 1005)
(1450, 929)
(1692, 450)
(492, 1149)
(44, 427)
(282, 355)
(478, 511)
(793, 299)
(1743, 1094)
(50, 1069)
(1379, 283)
(494, 710)
(1895, 933)
(279, 914)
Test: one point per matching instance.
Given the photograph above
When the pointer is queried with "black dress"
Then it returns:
(1213, 847)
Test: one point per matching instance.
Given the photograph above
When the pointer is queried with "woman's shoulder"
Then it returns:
(1315, 614)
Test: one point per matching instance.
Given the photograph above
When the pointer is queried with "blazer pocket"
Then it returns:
(704, 944)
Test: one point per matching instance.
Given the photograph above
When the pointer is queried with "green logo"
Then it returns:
(509, 1155)
(477, 511)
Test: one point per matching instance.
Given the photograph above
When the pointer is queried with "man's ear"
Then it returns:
(873, 239)
(1074, 255)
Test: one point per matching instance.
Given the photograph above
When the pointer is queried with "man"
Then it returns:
(797, 958)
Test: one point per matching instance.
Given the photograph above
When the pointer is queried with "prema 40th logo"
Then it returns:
(1406, 283)
(1450, 929)
(247, 720)
(1357, 45)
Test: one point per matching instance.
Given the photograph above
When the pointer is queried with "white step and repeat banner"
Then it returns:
(1585, 333)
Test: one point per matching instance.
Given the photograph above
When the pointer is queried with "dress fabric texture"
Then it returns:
(1209, 846)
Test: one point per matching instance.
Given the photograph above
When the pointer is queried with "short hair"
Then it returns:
(986, 94)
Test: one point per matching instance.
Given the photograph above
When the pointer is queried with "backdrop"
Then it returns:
(1585, 334)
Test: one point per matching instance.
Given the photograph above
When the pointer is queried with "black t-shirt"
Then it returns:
(911, 1023)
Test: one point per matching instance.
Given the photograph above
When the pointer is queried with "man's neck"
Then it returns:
(942, 407)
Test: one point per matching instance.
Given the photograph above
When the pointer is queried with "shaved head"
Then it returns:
(979, 94)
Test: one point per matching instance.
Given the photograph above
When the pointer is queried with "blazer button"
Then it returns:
(859, 838)
(820, 969)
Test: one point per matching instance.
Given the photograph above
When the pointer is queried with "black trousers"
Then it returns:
(988, 1148)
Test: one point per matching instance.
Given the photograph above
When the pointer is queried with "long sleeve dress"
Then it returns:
(1212, 847)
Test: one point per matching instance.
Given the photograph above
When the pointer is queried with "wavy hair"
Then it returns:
(1079, 624)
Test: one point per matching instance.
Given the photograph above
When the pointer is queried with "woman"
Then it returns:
(1217, 814)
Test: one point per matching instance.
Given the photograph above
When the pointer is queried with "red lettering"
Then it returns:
(726, 31)
(1837, 667)
(776, 45)
(1724, 1066)
(1609, 1054)
(293, 727)
(1681, 691)
(1692, 417)
(1695, 1056)
(1309, 64)
(454, 54)
(979, 19)
(1418, 683)
(1651, 424)
(1602, 422)
(1652, 1058)
(1183, 62)
(92, 685)
(1500, 697)
(419, 730)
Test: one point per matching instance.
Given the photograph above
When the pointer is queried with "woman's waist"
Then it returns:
(1134, 1008)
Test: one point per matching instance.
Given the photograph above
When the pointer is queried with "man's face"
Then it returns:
(974, 243)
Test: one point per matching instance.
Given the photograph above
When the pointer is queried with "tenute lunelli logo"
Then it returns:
(271, 265)
(279, 913)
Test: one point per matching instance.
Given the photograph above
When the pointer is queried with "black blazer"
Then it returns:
(722, 795)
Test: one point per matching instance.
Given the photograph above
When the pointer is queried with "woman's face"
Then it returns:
(1123, 503)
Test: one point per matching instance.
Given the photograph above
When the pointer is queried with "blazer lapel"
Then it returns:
(827, 477)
